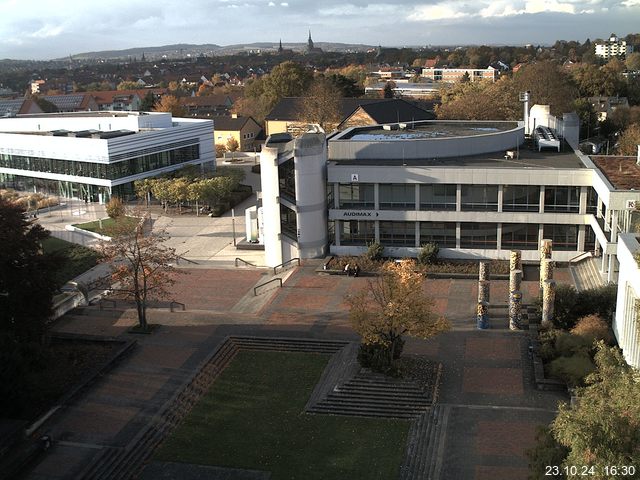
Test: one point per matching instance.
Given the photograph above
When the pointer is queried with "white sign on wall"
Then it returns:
(354, 177)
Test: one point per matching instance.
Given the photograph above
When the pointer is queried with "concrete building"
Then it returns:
(93, 155)
(614, 47)
(625, 324)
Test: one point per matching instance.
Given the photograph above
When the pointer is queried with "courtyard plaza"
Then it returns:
(491, 405)
(487, 389)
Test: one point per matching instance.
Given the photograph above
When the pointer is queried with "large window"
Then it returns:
(565, 237)
(520, 198)
(521, 236)
(480, 197)
(479, 235)
(356, 195)
(288, 222)
(287, 180)
(437, 197)
(357, 232)
(111, 171)
(442, 233)
(398, 233)
(562, 199)
(401, 196)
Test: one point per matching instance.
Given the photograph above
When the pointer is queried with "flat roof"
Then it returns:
(622, 172)
(426, 130)
(527, 157)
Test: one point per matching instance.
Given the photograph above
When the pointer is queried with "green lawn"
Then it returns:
(252, 418)
(76, 259)
(107, 224)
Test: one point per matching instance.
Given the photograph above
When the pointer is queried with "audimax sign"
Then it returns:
(360, 214)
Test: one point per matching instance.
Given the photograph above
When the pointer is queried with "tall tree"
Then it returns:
(629, 140)
(602, 429)
(141, 266)
(393, 305)
(289, 79)
(170, 103)
(27, 280)
(321, 104)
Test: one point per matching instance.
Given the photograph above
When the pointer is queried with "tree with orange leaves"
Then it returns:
(141, 265)
(170, 103)
(390, 306)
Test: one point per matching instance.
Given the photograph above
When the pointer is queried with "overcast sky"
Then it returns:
(45, 29)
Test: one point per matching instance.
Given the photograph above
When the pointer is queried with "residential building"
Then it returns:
(614, 47)
(286, 116)
(93, 155)
(18, 106)
(245, 130)
(208, 105)
(74, 102)
(452, 75)
(605, 106)
(407, 89)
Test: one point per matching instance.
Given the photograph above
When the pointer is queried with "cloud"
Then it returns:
(450, 10)
(48, 31)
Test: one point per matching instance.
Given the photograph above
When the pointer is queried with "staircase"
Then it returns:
(585, 274)
(425, 445)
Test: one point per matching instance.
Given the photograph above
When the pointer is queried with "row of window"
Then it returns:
(472, 234)
(109, 171)
(443, 197)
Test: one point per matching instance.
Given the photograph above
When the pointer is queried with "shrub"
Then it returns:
(428, 253)
(592, 328)
(600, 301)
(115, 207)
(374, 251)
(547, 451)
(376, 356)
(572, 370)
(220, 149)
(567, 344)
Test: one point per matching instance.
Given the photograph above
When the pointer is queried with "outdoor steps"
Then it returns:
(425, 445)
(585, 274)
(118, 463)
(374, 395)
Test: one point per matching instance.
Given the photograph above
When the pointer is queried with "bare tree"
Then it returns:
(321, 104)
(141, 265)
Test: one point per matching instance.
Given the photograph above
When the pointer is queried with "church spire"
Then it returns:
(310, 42)
(280, 49)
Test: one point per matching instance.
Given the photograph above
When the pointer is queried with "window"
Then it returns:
(564, 237)
(397, 196)
(442, 233)
(288, 222)
(398, 233)
(480, 197)
(479, 235)
(522, 236)
(592, 201)
(562, 199)
(357, 232)
(287, 180)
(520, 198)
(356, 195)
(438, 197)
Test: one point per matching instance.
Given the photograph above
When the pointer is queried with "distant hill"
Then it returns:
(182, 50)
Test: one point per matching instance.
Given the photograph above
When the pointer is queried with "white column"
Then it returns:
(458, 198)
(457, 234)
(581, 236)
(417, 242)
(500, 197)
(541, 201)
(583, 201)
(499, 239)
(376, 196)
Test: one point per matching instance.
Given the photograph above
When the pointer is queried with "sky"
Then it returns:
(43, 29)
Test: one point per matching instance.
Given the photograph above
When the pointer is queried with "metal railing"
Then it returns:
(255, 289)
(176, 303)
(582, 256)
(282, 265)
(238, 259)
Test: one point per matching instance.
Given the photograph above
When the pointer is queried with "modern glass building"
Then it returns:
(93, 155)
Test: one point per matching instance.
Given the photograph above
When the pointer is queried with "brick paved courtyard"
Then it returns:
(487, 377)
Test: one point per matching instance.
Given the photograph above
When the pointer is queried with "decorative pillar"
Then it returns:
(515, 310)
(483, 271)
(548, 303)
(546, 270)
(482, 317)
(515, 260)
(484, 287)
(545, 248)
(515, 280)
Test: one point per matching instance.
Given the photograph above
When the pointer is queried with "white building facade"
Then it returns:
(93, 155)
(614, 47)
